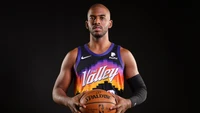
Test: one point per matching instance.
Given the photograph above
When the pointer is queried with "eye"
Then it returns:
(92, 18)
(102, 17)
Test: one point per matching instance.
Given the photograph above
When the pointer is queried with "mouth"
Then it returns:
(97, 27)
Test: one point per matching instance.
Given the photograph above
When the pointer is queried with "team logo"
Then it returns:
(102, 73)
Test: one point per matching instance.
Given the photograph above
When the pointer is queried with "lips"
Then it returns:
(97, 27)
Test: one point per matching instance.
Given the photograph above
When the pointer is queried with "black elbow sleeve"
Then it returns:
(138, 88)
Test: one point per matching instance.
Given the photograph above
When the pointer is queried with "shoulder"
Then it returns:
(72, 54)
(126, 54)
(123, 50)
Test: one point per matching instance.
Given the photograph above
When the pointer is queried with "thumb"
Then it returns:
(81, 94)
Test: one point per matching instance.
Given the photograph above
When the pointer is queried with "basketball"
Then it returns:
(97, 101)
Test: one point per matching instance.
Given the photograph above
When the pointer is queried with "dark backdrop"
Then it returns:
(36, 37)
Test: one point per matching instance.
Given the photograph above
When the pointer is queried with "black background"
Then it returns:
(36, 37)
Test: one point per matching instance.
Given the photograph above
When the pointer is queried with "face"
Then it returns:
(98, 21)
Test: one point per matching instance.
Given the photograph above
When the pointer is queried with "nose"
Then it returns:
(97, 21)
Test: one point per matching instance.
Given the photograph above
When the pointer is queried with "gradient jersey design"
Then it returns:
(102, 71)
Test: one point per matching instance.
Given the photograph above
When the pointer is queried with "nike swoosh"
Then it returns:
(84, 57)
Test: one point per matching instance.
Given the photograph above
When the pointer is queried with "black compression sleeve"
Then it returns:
(138, 88)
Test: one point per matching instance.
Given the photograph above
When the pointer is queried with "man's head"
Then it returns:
(98, 20)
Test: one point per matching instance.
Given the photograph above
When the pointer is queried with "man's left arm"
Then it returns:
(134, 79)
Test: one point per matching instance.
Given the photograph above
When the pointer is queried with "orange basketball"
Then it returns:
(97, 101)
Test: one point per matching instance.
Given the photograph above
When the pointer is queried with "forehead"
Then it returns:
(98, 10)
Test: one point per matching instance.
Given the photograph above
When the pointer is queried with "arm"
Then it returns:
(133, 78)
(63, 81)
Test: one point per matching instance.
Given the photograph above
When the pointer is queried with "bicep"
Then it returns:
(66, 72)
(130, 64)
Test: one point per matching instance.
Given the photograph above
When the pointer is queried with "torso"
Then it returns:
(99, 71)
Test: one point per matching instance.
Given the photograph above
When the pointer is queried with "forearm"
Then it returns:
(59, 96)
(139, 90)
(138, 97)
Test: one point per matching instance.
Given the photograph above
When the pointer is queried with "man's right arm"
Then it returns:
(64, 78)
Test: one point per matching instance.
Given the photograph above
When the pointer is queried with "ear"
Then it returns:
(110, 24)
(86, 24)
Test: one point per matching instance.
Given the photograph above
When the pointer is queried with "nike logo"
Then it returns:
(84, 57)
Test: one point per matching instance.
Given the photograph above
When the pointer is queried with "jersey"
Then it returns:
(99, 71)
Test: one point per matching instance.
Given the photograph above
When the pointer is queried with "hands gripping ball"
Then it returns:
(97, 101)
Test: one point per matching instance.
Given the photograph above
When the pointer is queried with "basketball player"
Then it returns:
(99, 64)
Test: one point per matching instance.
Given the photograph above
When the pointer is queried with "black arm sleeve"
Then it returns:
(138, 88)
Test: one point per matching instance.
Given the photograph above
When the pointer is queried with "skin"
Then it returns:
(98, 24)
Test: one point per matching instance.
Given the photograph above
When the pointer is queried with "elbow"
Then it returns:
(55, 95)
(144, 95)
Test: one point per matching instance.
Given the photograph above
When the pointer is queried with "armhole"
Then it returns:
(119, 56)
(77, 58)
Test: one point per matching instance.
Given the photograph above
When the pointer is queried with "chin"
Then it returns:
(97, 36)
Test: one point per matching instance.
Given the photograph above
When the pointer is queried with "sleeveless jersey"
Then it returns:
(99, 71)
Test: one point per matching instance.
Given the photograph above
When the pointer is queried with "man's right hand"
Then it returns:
(74, 103)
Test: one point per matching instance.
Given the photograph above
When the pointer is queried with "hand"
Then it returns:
(122, 104)
(74, 103)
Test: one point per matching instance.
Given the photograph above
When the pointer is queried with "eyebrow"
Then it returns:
(97, 15)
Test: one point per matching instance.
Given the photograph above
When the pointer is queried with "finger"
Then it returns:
(76, 109)
(80, 105)
(84, 92)
(123, 111)
(119, 110)
(115, 107)
(115, 96)
(81, 94)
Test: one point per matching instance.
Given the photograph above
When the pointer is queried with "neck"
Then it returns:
(99, 45)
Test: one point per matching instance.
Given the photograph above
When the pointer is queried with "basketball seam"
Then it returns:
(99, 102)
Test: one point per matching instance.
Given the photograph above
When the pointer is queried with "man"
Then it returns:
(99, 64)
